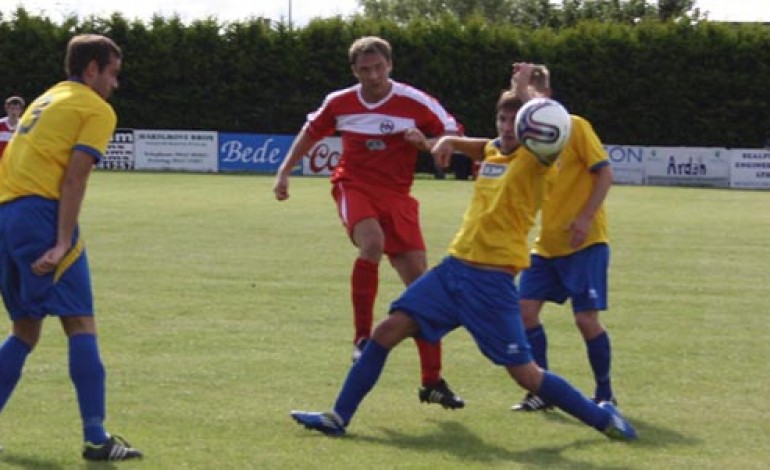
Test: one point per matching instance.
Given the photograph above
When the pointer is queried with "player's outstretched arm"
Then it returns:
(299, 148)
(473, 147)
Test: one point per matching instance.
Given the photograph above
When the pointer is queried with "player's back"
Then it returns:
(67, 117)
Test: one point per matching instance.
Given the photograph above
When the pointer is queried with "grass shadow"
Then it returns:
(454, 438)
(28, 463)
(650, 435)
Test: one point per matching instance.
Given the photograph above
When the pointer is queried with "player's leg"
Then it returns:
(538, 342)
(603, 417)
(424, 309)
(434, 389)
(495, 323)
(536, 335)
(13, 354)
(405, 246)
(588, 283)
(361, 377)
(599, 351)
(537, 284)
(72, 301)
(364, 281)
(16, 257)
(359, 217)
(88, 376)
(410, 266)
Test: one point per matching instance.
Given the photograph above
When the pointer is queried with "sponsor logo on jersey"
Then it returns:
(492, 170)
(375, 144)
(387, 126)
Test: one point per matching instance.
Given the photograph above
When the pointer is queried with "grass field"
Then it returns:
(220, 310)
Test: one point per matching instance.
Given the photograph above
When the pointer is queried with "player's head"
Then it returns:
(508, 104)
(371, 62)
(14, 106)
(95, 60)
(369, 45)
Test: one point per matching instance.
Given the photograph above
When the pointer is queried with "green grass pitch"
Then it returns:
(220, 310)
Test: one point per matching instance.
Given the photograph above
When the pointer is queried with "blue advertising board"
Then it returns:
(257, 153)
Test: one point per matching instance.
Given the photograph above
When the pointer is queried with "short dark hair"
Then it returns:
(369, 45)
(84, 48)
(15, 100)
(508, 101)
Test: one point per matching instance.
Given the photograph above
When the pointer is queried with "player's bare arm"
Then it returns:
(447, 145)
(582, 223)
(73, 189)
(299, 148)
(415, 137)
(521, 76)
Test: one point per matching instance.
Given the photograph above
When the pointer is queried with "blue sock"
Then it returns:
(360, 380)
(538, 341)
(87, 373)
(600, 357)
(561, 393)
(13, 353)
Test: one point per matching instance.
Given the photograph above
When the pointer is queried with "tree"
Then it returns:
(527, 13)
(672, 9)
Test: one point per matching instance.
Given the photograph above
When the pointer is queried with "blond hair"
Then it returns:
(369, 45)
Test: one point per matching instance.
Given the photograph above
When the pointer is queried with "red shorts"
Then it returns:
(398, 214)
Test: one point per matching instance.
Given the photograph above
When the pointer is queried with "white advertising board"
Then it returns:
(120, 151)
(750, 169)
(175, 150)
(627, 163)
(323, 157)
(687, 166)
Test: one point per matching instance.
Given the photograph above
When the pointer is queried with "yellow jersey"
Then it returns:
(69, 116)
(568, 186)
(506, 196)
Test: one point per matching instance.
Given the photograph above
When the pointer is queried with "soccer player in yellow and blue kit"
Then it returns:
(570, 259)
(43, 265)
(474, 286)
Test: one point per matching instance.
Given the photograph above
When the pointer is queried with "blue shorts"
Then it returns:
(581, 277)
(485, 302)
(27, 230)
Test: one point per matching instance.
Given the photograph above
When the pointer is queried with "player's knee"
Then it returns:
(528, 376)
(589, 325)
(371, 248)
(394, 329)
(28, 332)
(530, 313)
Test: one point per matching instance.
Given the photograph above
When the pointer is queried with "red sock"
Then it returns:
(363, 291)
(430, 361)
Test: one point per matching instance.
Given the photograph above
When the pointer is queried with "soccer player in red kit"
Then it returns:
(14, 106)
(372, 182)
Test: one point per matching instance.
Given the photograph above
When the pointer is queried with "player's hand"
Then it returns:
(579, 228)
(520, 79)
(523, 70)
(417, 138)
(50, 260)
(281, 187)
(442, 152)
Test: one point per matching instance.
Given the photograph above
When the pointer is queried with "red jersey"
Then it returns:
(374, 151)
(6, 131)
